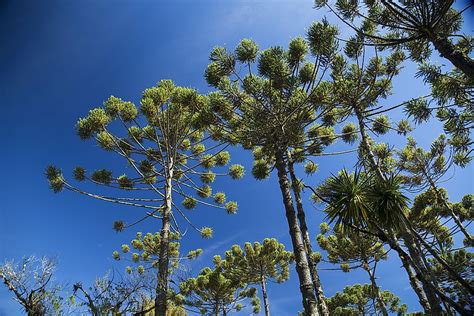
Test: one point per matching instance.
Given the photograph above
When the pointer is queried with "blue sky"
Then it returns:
(58, 59)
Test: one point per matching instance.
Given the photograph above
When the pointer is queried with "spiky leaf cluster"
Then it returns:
(361, 200)
(352, 247)
(268, 260)
(358, 300)
(212, 292)
(279, 94)
(143, 252)
(419, 27)
(462, 261)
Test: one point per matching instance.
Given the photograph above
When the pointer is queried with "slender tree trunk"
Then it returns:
(302, 267)
(435, 308)
(411, 239)
(376, 290)
(427, 281)
(161, 300)
(266, 305)
(454, 275)
(415, 284)
(323, 309)
(456, 57)
(429, 300)
(422, 276)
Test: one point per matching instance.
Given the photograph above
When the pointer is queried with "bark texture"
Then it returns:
(266, 306)
(456, 57)
(161, 300)
(302, 267)
(322, 306)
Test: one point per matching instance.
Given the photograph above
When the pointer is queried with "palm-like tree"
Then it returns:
(375, 206)
(360, 200)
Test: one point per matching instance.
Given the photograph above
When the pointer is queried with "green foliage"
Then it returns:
(206, 232)
(349, 133)
(419, 27)
(246, 51)
(103, 176)
(267, 261)
(418, 109)
(222, 158)
(208, 177)
(357, 300)
(322, 40)
(220, 198)
(231, 207)
(176, 122)
(94, 123)
(144, 252)
(55, 178)
(118, 226)
(310, 167)
(212, 292)
(358, 199)
(189, 203)
(253, 109)
(125, 182)
(205, 191)
(460, 260)
(193, 254)
(260, 169)
(351, 247)
(403, 127)
(297, 50)
(381, 124)
(208, 161)
(79, 173)
(236, 171)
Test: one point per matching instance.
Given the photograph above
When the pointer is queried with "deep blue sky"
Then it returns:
(58, 59)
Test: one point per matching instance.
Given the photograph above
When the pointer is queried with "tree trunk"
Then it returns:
(435, 308)
(411, 239)
(457, 58)
(454, 275)
(376, 290)
(161, 300)
(266, 305)
(415, 284)
(427, 281)
(302, 267)
(409, 235)
(323, 309)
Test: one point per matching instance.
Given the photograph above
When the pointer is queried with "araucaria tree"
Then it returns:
(259, 263)
(353, 249)
(166, 146)
(419, 27)
(375, 199)
(213, 292)
(274, 102)
(143, 254)
(414, 25)
(359, 299)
